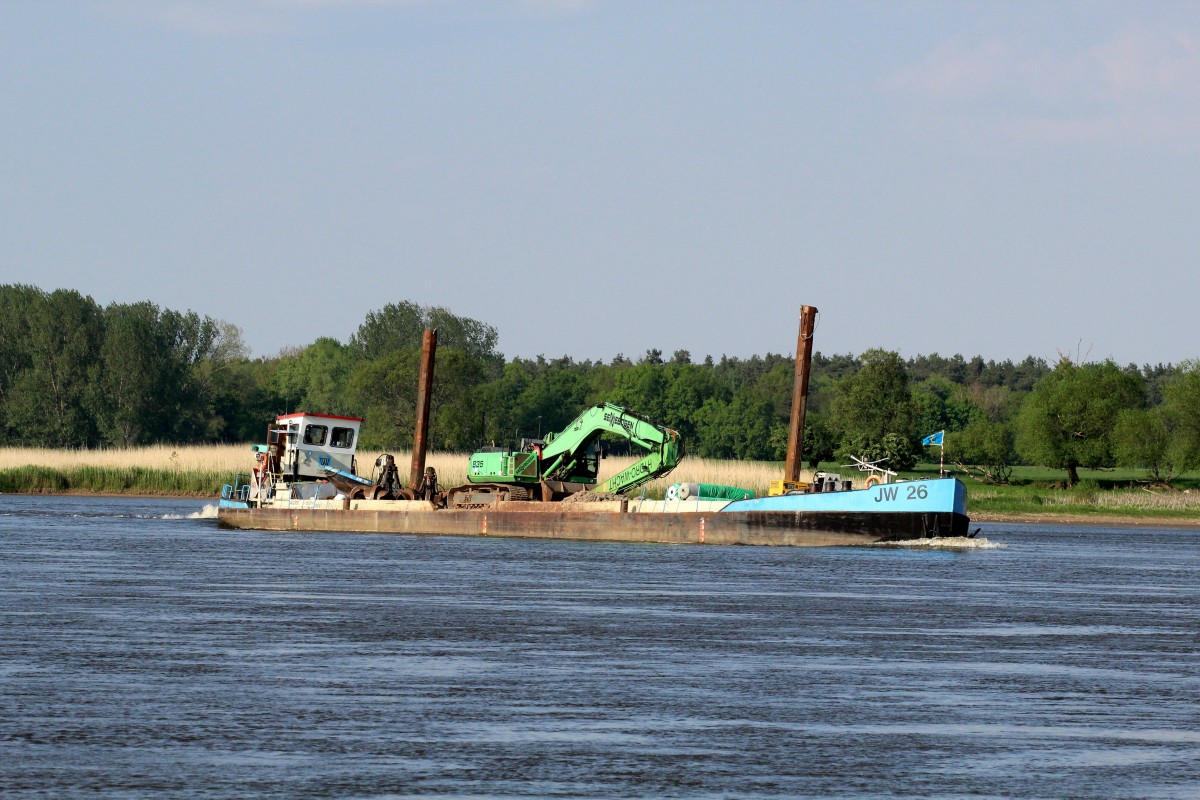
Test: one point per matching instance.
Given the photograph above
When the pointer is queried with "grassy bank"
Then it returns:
(111, 480)
(192, 471)
(1085, 500)
(199, 471)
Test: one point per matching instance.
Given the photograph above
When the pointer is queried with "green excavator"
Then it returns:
(565, 463)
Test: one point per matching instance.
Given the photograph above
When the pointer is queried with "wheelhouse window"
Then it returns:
(343, 438)
(315, 434)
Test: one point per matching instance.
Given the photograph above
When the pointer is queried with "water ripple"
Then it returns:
(144, 652)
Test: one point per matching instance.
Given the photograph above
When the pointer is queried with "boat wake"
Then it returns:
(945, 543)
(208, 512)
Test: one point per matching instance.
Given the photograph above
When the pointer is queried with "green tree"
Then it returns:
(942, 405)
(550, 402)
(985, 449)
(385, 389)
(400, 326)
(200, 347)
(226, 397)
(875, 412)
(50, 401)
(641, 388)
(315, 379)
(777, 384)
(1181, 409)
(17, 306)
(500, 403)
(687, 388)
(242, 400)
(892, 450)
(1165, 439)
(820, 440)
(997, 403)
(458, 379)
(139, 377)
(531, 397)
(1141, 439)
(741, 428)
(653, 357)
(384, 380)
(1067, 420)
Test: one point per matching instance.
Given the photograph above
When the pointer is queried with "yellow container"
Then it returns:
(776, 488)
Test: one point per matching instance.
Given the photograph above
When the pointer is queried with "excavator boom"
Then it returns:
(569, 457)
(564, 454)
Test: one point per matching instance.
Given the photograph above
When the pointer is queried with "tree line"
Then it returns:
(76, 374)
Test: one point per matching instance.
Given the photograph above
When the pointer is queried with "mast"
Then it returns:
(795, 451)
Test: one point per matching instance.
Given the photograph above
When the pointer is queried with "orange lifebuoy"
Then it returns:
(874, 480)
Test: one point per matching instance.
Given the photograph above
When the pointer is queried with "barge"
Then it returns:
(883, 513)
(306, 479)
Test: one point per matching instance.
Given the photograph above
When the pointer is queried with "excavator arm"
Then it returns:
(565, 455)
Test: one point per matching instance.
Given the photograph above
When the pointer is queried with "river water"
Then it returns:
(145, 653)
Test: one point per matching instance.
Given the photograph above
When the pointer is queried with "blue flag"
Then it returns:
(933, 438)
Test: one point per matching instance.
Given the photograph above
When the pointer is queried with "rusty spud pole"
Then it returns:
(424, 380)
(795, 451)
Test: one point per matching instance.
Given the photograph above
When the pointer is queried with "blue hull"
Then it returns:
(938, 496)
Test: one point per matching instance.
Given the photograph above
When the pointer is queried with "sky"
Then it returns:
(600, 178)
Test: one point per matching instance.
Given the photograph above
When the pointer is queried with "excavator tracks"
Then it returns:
(481, 495)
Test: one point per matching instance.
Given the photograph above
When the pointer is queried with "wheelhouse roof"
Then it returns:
(298, 414)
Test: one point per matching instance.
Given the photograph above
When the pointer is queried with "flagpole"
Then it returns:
(939, 439)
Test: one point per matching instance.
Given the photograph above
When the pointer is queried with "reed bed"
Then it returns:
(169, 458)
(202, 469)
(110, 480)
(1129, 499)
(179, 470)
